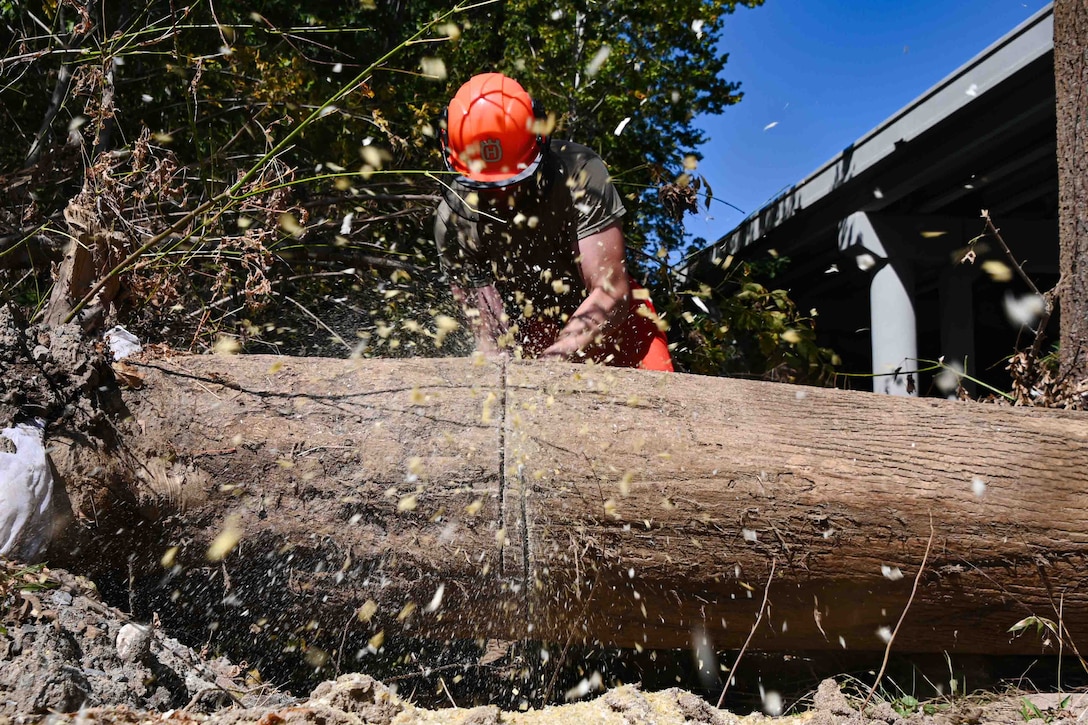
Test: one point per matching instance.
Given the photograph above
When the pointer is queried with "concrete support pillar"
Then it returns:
(893, 327)
(894, 330)
(958, 320)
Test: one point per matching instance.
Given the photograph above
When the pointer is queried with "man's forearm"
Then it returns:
(601, 259)
(599, 315)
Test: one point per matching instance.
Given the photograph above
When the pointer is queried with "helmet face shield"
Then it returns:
(502, 196)
(516, 180)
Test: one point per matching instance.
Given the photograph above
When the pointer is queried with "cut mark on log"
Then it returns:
(524, 523)
(502, 460)
(514, 493)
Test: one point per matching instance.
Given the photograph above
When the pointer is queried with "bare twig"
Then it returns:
(1008, 252)
(344, 199)
(445, 689)
(56, 103)
(1061, 640)
(891, 639)
(1047, 297)
(755, 626)
(425, 673)
(343, 639)
(319, 322)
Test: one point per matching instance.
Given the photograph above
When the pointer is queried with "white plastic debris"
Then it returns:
(122, 342)
(26, 493)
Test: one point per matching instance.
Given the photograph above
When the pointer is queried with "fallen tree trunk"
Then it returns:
(564, 503)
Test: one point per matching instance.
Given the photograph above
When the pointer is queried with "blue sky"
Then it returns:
(825, 72)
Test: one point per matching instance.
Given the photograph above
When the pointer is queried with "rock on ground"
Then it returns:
(62, 649)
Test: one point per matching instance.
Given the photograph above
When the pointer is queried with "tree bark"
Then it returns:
(1071, 85)
(570, 503)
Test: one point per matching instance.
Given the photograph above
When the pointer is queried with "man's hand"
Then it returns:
(566, 347)
(484, 309)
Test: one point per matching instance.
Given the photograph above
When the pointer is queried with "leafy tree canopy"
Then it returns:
(217, 82)
(276, 140)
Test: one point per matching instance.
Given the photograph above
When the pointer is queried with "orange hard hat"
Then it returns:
(490, 136)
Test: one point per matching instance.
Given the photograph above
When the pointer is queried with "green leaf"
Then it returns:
(1029, 709)
(1039, 623)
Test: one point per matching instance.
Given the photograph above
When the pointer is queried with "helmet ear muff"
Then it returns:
(540, 114)
(444, 137)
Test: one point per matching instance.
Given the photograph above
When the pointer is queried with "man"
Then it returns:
(530, 235)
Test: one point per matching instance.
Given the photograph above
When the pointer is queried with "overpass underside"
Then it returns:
(878, 237)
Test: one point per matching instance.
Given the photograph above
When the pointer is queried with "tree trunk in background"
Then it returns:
(565, 503)
(1071, 85)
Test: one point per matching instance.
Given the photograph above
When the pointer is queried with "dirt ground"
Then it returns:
(67, 657)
